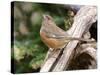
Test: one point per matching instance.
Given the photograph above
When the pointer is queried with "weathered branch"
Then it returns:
(89, 49)
(83, 20)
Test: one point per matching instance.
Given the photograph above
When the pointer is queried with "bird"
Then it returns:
(53, 36)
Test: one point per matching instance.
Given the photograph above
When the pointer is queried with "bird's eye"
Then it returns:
(46, 17)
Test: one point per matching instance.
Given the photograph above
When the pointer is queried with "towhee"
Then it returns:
(53, 36)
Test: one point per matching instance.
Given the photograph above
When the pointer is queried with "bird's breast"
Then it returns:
(51, 42)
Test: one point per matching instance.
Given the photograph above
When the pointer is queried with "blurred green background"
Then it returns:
(28, 51)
